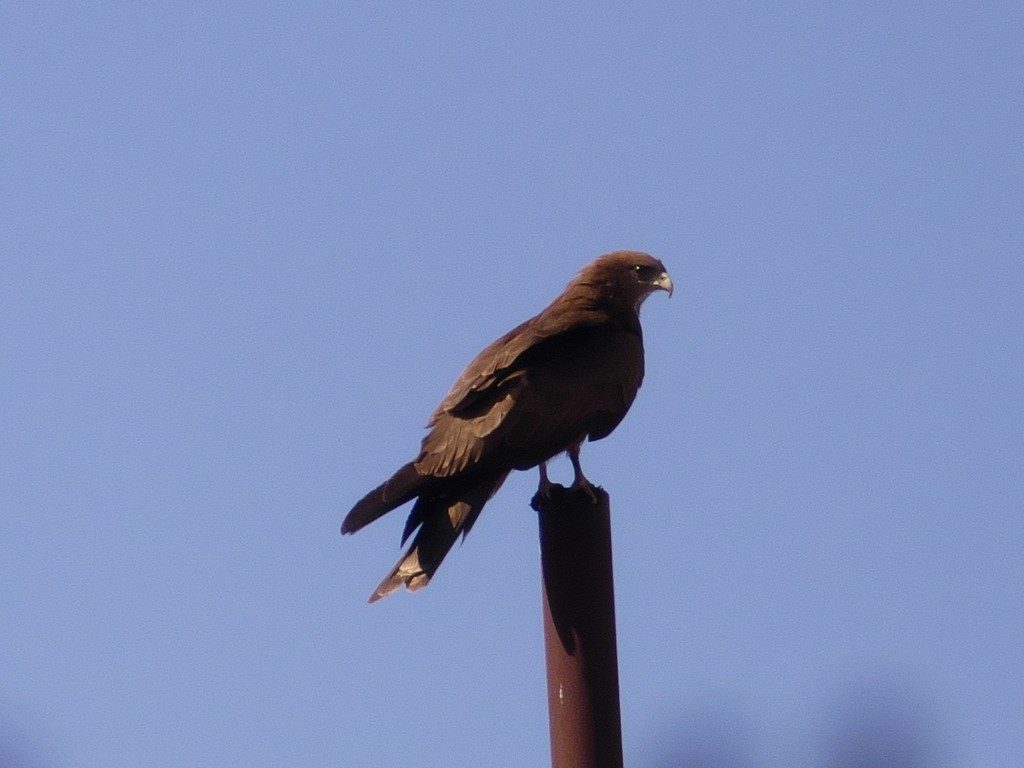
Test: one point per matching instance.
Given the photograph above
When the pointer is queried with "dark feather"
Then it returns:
(441, 520)
(400, 488)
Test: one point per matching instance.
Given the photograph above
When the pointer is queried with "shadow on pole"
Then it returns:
(579, 628)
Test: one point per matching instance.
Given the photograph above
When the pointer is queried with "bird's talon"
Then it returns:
(585, 486)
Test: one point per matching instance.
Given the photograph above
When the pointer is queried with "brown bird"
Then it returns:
(566, 375)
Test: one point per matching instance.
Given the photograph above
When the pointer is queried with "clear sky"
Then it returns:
(246, 247)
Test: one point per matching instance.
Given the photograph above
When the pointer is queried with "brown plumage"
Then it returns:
(565, 375)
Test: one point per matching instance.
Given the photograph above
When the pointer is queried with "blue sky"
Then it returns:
(245, 249)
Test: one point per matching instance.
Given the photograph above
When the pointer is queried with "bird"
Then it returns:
(568, 374)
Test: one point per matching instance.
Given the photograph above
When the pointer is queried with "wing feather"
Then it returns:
(491, 367)
(458, 443)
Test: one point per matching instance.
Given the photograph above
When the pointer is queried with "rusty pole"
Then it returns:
(579, 629)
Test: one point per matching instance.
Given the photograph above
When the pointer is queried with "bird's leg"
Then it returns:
(544, 489)
(580, 480)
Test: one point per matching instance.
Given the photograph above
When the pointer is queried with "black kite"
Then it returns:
(566, 375)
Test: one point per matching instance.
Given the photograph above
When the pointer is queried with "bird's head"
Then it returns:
(627, 277)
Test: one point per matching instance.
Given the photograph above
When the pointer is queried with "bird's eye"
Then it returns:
(645, 273)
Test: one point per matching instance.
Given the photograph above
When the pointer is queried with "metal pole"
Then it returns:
(579, 629)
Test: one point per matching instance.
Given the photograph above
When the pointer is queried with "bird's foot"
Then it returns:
(582, 484)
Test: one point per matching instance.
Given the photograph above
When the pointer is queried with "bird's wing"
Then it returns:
(459, 441)
(565, 388)
(495, 364)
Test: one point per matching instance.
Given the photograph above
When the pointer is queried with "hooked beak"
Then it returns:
(664, 283)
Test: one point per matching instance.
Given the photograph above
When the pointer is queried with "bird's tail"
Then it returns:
(441, 520)
(401, 487)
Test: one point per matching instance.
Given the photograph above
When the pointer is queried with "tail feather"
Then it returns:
(396, 491)
(442, 520)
